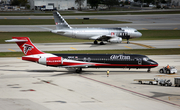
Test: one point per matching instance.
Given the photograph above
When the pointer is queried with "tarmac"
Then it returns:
(30, 86)
(139, 22)
(144, 44)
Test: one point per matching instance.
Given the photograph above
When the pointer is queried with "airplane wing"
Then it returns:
(102, 37)
(78, 66)
(58, 31)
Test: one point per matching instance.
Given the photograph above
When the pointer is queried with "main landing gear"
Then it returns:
(96, 42)
(101, 43)
(78, 70)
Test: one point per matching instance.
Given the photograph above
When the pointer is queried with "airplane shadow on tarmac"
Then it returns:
(83, 72)
(160, 94)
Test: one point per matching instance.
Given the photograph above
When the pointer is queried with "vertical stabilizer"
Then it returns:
(25, 44)
(60, 22)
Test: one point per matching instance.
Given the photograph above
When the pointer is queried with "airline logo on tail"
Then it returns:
(27, 48)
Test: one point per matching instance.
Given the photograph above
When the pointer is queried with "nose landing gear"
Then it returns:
(128, 39)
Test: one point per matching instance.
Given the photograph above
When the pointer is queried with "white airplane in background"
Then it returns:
(113, 35)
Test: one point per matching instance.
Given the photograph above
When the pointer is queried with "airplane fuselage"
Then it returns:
(113, 35)
(103, 61)
(94, 33)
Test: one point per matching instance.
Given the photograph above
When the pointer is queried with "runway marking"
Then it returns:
(134, 92)
(73, 48)
(29, 18)
(5, 18)
(11, 50)
(128, 47)
(178, 45)
(147, 46)
(76, 18)
(18, 58)
(52, 18)
(175, 28)
(144, 28)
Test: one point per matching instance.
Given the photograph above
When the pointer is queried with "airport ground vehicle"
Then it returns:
(171, 70)
(177, 82)
(165, 82)
(47, 8)
(147, 81)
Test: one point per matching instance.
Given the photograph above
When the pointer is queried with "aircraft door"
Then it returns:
(139, 61)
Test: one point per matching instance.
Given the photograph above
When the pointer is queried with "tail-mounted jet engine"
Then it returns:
(51, 61)
(115, 40)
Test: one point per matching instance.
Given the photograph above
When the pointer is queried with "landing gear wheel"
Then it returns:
(148, 70)
(101, 43)
(95, 42)
(128, 39)
(78, 70)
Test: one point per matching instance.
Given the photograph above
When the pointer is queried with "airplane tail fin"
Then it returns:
(25, 44)
(60, 22)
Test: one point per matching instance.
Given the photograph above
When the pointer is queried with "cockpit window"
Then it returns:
(135, 31)
(145, 58)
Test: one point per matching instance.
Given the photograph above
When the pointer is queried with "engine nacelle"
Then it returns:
(51, 61)
(115, 40)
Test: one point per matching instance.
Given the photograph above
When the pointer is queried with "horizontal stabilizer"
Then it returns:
(16, 40)
(25, 44)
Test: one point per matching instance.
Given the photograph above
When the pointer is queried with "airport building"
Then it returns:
(175, 2)
(58, 4)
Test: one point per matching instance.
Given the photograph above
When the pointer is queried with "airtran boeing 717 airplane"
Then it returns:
(78, 61)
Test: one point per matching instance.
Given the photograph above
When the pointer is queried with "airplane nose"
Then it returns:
(139, 34)
(154, 63)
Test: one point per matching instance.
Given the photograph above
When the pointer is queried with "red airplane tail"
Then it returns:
(25, 44)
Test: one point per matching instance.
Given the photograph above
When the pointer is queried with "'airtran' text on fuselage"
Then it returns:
(119, 57)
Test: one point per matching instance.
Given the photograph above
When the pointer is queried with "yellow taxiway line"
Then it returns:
(144, 29)
(11, 50)
(147, 46)
(73, 48)
(128, 47)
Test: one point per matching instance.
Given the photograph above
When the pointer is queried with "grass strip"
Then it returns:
(51, 21)
(48, 37)
(172, 51)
